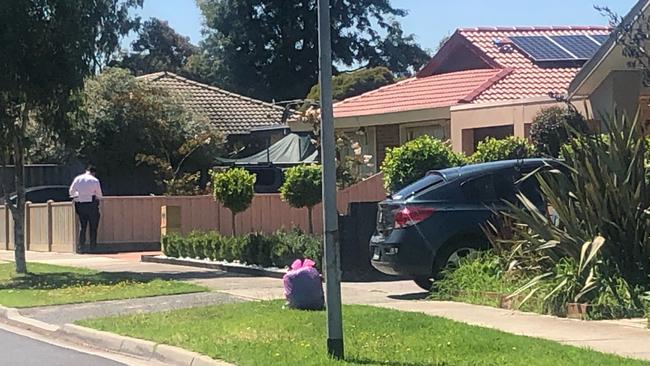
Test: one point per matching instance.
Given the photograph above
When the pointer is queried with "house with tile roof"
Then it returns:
(233, 115)
(484, 82)
(607, 81)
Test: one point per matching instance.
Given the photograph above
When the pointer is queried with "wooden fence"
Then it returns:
(49, 227)
(136, 220)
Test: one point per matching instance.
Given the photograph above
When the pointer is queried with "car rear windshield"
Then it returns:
(428, 181)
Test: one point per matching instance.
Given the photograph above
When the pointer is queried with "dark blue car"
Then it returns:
(439, 219)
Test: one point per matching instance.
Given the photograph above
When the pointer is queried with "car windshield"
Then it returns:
(429, 180)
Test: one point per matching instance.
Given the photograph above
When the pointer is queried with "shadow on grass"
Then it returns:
(57, 280)
(365, 361)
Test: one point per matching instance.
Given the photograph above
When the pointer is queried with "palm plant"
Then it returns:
(600, 243)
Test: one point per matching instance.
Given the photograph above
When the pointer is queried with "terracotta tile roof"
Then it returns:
(229, 112)
(421, 93)
(527, 78)
(495, 75)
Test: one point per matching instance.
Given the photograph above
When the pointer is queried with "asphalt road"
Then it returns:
(18, 350)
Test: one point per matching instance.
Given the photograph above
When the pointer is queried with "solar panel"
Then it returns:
(601, 38)
(580, 46)
(540, 48)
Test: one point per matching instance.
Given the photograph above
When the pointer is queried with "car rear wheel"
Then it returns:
(449, 257)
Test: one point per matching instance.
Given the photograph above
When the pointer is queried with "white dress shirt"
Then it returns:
(84, 187)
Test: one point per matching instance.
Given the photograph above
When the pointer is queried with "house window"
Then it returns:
(497, 132)
(436, 131)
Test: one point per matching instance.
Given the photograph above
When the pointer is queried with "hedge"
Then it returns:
(409, 162)
(267, 250)
(508, 148)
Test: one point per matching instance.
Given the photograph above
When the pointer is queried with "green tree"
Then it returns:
(399, 52)
(508, 148)
(47, 47)
(406, 164)
(268, 49)
(551, 129)
(127, 122)
(351, 84)
(234, 188)
(303, 187)
(158, 48)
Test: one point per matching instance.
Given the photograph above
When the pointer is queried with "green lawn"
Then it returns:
(262, 333)
(54, 285)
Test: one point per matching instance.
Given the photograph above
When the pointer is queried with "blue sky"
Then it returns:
(430, 20)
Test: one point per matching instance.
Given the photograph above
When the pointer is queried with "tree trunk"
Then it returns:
(311, 223)
(234, 232)
(19, 210)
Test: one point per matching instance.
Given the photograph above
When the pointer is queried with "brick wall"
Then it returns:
(387, 136)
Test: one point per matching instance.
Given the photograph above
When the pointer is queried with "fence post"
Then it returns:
(50, 238)
(28, 237)
(170, 220)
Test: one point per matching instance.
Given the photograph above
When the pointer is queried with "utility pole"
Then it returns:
(330, 215)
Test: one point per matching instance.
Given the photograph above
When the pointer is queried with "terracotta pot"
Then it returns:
(507, 302)
(577, 311)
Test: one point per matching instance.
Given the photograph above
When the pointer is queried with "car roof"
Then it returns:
(39, 188)
(484, 168)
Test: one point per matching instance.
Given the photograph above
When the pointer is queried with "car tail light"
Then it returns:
(411, 215)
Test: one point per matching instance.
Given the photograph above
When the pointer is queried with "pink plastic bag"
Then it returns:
(303, 287)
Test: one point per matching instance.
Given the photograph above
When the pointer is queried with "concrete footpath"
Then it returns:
(629, 338)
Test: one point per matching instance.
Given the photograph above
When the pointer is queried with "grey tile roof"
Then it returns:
(231, 113)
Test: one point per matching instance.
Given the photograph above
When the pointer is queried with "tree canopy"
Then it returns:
(268, 49)
(158, 47)
(303, 187)
(235, 189)
(47, 48)
(127, 122)
(551, 128)
(350, 84)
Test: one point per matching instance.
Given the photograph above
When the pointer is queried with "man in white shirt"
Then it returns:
(86, 192)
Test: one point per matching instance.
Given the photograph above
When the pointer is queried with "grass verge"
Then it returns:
(263, 333)
(54, 285)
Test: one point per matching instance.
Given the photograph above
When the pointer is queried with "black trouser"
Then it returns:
(88, 213)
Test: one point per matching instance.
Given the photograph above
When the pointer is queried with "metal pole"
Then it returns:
(330, 215)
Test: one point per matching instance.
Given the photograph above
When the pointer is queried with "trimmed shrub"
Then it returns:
(509, 148)
(549, 129)
(303, 187)
(234, 188)
(267, 250)
(408, 163)
(170, 243)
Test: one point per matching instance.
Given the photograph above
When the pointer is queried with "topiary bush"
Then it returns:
(409, 162)
(234, 188)
(508, 148)
(303, 187)
(548, 131)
